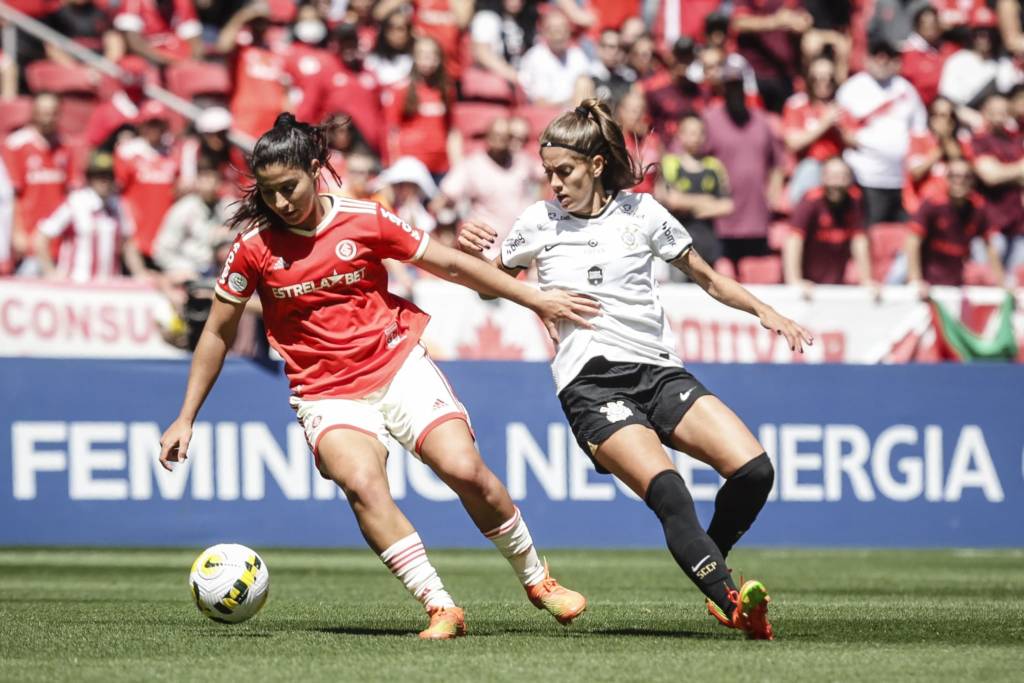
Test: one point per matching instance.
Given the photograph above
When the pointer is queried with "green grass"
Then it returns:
(338, 615)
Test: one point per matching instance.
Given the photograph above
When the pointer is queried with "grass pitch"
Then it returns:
(338, 615)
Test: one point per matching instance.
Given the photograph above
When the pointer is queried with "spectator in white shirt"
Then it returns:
(501, 32)
(881, 110)
(974, 72)
(192, 227)
(549, 70)
(97, 233)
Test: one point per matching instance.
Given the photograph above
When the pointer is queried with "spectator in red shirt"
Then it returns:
(768, 34)
(924, 53)
(810, 127)
(931, 152)
(446, 22)
(39, 168)
(147, 173)
(827, 228)
(942, 230)
(999, 162)
(671, 94)
(308, 59)
(120, 111)
(418, 111)
(258, 73)
(161, 31)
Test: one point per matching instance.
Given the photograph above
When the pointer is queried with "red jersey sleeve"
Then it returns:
(241, 272)
(14, 159)
(919, 223)
(398, 239)
(803, 214)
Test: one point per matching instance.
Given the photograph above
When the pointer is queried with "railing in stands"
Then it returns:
(41, 31)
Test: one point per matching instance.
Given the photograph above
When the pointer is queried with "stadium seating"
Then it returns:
(190, 79)
(725, 267)
(760, 270)
(478, 84)
(976, 273)
(14, 114)
(887, 240)
(473, 118)
(538, 117)
(47, 76)
(777, 234)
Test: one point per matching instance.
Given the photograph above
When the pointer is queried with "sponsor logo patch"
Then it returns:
(595, 275)
(237, 282)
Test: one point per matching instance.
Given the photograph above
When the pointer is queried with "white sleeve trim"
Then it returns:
(131, 23)
(227, 296)
(422, 248)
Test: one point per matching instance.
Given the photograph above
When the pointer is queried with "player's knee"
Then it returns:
(760, 473)
(366, 488)
(468, 472)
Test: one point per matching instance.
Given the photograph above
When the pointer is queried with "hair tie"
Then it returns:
(583, 111)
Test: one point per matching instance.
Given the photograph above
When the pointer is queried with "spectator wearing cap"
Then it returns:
(94, 231)
(259, 93)
(501, 31)
(161, 32)
(931, 152)
(810, 127)
(881, 111)
(407, 185)
(742, 138)
(492, 186)
(40, 169)
(390, 60)
(89, 26)
(978, 69)
(192, 227)
(827, 229)
(346, 88)
(147, 173)
(609, 80)
(120, 111)
(942, 229)
(550, 69)
(893, 20)
(924, 54)
(999, 163)
(694, 186)
(768, 37)
(671, 94)
(418, 111)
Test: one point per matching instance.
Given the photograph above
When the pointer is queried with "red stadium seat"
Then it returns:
(473, 118)
(887, 240)
(539, 117)
(777, 234)
(14, 114)
(976, 273)
(760, 270)
(1019, 275)
(47, 76)
(725, 267)
(75, 111)
(479, 84)
(191, 78)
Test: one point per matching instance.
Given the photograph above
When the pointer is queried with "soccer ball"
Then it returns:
(229, 582)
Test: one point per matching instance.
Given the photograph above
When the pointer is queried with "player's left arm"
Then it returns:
(732, 293)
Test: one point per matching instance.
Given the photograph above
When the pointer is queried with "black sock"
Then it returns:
(739, 500)
(694, 551)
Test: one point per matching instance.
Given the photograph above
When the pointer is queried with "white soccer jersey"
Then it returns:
(609, 257)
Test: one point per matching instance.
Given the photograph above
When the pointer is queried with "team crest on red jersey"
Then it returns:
(346, 250)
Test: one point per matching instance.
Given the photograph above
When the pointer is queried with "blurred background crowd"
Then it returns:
(804, 142)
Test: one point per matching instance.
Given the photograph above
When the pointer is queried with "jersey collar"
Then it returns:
(324, 222)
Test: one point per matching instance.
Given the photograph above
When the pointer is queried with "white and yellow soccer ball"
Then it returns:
(229, 582)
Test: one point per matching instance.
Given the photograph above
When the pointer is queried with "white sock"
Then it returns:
(513, 540)
(407, 560)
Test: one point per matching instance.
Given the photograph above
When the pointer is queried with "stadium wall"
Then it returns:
(865, 456)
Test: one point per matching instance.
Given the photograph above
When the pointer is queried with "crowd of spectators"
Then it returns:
(806, 142)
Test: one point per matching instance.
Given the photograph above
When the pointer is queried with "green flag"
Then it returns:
(962, 344)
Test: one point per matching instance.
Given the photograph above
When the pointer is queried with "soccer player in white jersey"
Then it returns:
(358, 374)
(622, 386)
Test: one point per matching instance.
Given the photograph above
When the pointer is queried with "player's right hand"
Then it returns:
(174, 443)
(475, 238)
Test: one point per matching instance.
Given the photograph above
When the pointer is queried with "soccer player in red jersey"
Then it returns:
(358, 374)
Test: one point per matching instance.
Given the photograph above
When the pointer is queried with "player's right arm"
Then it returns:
(217, 337)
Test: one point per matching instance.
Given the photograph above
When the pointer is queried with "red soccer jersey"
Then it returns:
(424, 134)
(260, 92)
(1004, 207)
(827, 231)
(799, 114)
(147, 178)
(166, 28)
(946, 231)
(326, 304)
(356, 94)
(39, 174)
(436, 19)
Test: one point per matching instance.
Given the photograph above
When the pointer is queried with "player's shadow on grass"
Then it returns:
(366, 631)
(638, 632)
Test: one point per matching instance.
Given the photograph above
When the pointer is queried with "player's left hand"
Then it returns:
(795, 335)
(558, 304)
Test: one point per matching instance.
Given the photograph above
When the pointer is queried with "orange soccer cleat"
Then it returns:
(563, 604)
(751, 613)
(445, 623)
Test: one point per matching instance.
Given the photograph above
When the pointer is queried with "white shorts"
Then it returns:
(407, 409)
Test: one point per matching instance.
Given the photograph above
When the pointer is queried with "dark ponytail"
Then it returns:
(590, 130)
(291, 144)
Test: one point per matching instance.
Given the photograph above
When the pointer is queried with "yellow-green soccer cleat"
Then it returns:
(751, 613)
(445, 623)
(563, 604)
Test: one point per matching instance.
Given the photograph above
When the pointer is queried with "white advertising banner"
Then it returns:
(848, 325)
(57, 319)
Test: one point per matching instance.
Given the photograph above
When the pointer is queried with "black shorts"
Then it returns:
(606, 396)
